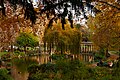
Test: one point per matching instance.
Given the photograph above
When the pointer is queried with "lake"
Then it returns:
(19, 65)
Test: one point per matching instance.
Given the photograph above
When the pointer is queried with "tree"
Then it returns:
(27, 40)
(63, 40)
(13, 23)
(54, 9)
(50, 8)
(105, 29)
(9, 30)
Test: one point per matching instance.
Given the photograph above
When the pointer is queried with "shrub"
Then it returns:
(62, 70)
(4, 75)
(58, 56)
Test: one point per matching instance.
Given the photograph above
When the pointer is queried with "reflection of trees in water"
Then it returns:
(20, 66)
(23, 63)
(17, 75)
(42, 59)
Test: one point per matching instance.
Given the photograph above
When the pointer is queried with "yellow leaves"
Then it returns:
(118, 14)
(106, 28)
(36, 9)
(9, 30)
(63, 35)
(26, 29)
(58, 26)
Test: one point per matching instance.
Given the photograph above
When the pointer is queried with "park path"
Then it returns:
(113, 56)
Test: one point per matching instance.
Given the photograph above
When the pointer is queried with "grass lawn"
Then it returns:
(114, 52)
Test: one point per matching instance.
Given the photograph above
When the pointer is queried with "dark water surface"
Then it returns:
(19, 66)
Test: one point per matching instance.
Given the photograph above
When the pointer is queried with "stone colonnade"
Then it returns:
(87, 47)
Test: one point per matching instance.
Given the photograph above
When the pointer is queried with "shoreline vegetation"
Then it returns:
(64, 68)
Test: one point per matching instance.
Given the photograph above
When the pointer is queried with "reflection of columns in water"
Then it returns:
(45, 59)
(87, 57)
(84, 57)
(73, 57)
(46, 47)
(86, 48)
(90, 58)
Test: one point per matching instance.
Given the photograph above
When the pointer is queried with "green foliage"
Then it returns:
(99, 56)
(17, 53)
(116, 71)
(27, 39)
(63, 40)
(72, 70)
(3, 53)
(58, 56)
(5, 56)
(4, 75)
(62, 70)
(101, 73)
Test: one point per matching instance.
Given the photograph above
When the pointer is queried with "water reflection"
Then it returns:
(19, 66)
(41, 59)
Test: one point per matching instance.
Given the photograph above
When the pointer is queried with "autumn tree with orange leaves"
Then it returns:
(105, 28)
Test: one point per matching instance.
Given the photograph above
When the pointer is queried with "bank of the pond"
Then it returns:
(60, 66)
(17, 66)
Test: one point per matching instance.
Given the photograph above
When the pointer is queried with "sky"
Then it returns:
(34, 1)
(80, 20)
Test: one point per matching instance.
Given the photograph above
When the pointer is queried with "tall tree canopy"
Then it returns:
(58, 9)
(105, 28)
(64, 40)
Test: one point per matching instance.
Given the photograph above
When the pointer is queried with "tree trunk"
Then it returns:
(50, 48)
(45, 46)
(39, 51)
(106, 53)
(12, 50)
